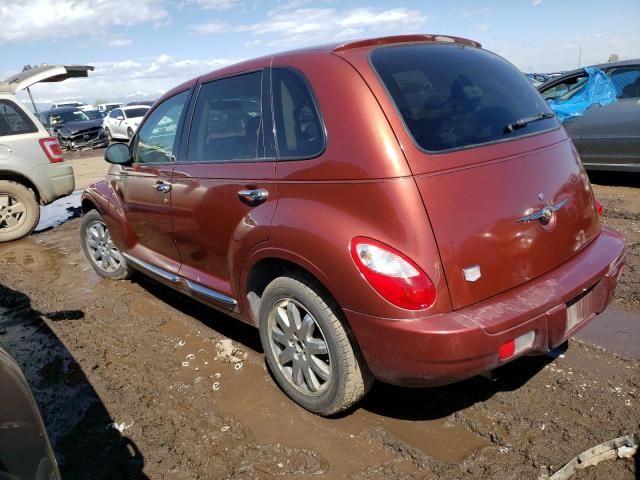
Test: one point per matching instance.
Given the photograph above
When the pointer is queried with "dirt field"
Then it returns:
(136, 381)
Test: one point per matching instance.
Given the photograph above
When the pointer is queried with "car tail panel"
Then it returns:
(502, 223)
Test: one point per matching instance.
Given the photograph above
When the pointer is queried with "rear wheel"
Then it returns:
(308, 347)
(19, 211)
(102, 253)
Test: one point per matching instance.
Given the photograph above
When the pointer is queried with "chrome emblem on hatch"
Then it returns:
(541, 196)
(544, 214)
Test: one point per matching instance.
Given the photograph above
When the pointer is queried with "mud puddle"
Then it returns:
(241, 387)
(60, 211)
(616, 330)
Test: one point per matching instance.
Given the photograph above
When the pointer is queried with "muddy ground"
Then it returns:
(137, 381)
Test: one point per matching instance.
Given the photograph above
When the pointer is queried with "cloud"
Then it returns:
(119, 42)
(286, 24)
(213, 4)
(126, 79)
(483, 27)
(596, 49)
(54, 19)
(535, 3)
(210, 28)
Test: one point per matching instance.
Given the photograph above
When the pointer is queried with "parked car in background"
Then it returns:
(420, 219)
(607, 137)
(76, 104)
(95, 114)
(25, 450)
(74, 129)
(32, 169)
(107, 107)
(122, 123)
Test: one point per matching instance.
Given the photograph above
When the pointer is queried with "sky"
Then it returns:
(141, 48)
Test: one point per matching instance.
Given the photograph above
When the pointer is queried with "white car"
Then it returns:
(122, 123)
(107, 107)
(77, 104)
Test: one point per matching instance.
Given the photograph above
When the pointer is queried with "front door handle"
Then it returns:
(162, 187)
(257, 195)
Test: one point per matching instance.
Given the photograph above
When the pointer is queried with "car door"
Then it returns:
(563, 89)
(611, 134)
(224, 191)
(144, 187)
(117, 118)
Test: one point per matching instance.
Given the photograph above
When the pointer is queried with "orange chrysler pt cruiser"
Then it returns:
(403, 208)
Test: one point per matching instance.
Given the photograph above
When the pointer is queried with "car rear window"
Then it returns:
(13, 121)
(135, 112)
(452, 97)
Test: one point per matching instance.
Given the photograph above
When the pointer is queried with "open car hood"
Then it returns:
(43, 73)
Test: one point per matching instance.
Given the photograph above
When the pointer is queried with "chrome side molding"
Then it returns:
(152, 268)
(195, 288)
(210, 294)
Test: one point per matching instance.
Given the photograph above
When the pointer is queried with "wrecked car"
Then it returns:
(74, 129)
(605, 133)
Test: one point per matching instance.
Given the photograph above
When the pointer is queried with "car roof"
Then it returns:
(53, 111)
(134, 107)
(601, 66)
(44, 73)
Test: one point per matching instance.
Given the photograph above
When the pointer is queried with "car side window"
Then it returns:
(566, 88)
(155, 142)
(626, 81)
(13, 121)
(227, 120)
(299, 129)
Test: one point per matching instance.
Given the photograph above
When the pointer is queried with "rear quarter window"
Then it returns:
(13, 121)
(452, 97)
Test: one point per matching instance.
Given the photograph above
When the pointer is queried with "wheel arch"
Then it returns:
(269, 267)
(23, 180)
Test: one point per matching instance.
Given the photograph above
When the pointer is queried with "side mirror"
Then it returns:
(119, 117)
(118, 154)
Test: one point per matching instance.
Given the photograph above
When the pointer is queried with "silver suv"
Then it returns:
(32, 169)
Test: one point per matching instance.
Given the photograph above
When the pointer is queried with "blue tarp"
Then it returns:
(598, 89)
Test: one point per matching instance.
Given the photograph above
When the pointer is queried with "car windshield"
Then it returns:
(70, 116)
(135, 112)
(452, 97)
(93, 114)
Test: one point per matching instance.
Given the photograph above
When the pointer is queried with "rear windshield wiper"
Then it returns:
(523, 122)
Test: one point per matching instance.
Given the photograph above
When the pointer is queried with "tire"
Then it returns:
(19, 211)
(348, 378)
(103, 255)
(129, 133)
(109, 136)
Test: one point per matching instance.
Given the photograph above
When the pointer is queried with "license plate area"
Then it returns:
(579, 309)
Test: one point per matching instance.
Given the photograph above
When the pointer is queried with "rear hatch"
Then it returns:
(489, 159)
(44, 73)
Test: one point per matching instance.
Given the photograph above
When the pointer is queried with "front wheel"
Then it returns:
(109, 136)
(104, 256)
(129, 133)
(308, 347)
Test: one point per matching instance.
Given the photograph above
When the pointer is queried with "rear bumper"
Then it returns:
(449, 347)
(54, 180)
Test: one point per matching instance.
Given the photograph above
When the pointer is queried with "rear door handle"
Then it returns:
(162, 187)
(257, 195)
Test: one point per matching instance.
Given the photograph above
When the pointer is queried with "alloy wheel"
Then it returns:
(12, 212)
(299, 346)
(104, 254)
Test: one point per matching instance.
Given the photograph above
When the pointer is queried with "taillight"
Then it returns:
(52, 149)
(394, 276)
(599, 207)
